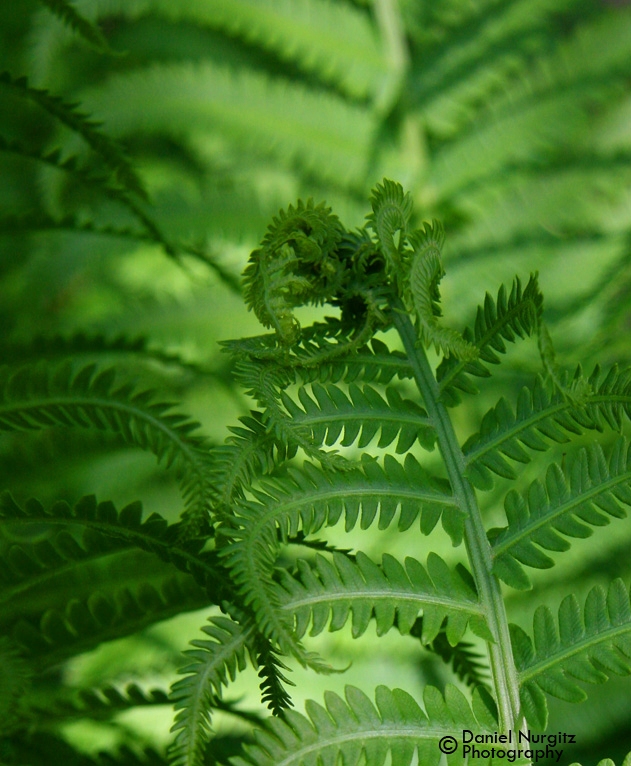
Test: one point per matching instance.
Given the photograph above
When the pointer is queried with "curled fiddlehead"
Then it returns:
(297, 263)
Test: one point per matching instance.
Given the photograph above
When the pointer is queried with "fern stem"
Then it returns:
(502, 662)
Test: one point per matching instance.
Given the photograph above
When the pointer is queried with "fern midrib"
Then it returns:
(351, 416)
(567, 653)
(299, 503)
(478, 548)
(414, 733)
(472, 607)
(518, 535)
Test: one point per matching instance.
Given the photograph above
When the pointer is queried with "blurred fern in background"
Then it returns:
(145, 144)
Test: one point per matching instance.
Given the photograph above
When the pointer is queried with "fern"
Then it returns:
(587, 647)
(508, 122)
(89, 32)
(510, 317)
(389, 593)
(69, 115)
(585, 494)
(34, 398)
(214, 662)
(355, 726)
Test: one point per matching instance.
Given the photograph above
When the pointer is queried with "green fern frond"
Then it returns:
(543, 417)
(102, 524)
(465, 661)
(65, 11)
(249, 451)
(372, 363)
(58, 634)
(311, 498)
(574, 498)
(609, 762)
(422, 294)
(270, 667)
(80, 123)
(328, 593)
(81, 347)
(38, 222)
(476, 58)
(213, 663)
(323, 133)
(335, 42)
(96, 704)
(555, 89)
(588, 647)
(42, 222)
(266, 381)
(356, 728)
(15, 680)
(297, 263)
(509, 317)
(34, 398)
(362, 413)
(391, 213)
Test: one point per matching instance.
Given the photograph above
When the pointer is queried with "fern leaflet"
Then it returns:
(355, 727)
(327, 593)
(213, 663)
(515, 315)
(34, 398)
(587, 647)
(585, 493)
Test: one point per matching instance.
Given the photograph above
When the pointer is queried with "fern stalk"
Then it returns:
(502, 662)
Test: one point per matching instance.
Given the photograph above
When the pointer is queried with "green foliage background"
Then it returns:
(123, 241)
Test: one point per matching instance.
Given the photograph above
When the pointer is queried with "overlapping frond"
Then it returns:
(505, 319)
(84, 347)
(573, 499)
(467, 663)
(79, 122)
(318, 130)
(307, 500)
(78, 23)
(58, 634)
(356, 727)
(589, 645)
(266, 381)
(104, 529)
(214, 662)
(327, 593)
(250, 451)
(336, 42)
(37, 397)
(543, 417)
(15, 679)
(97, 704)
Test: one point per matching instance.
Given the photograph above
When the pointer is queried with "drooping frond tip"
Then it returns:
(425, 272)
(296, 264)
